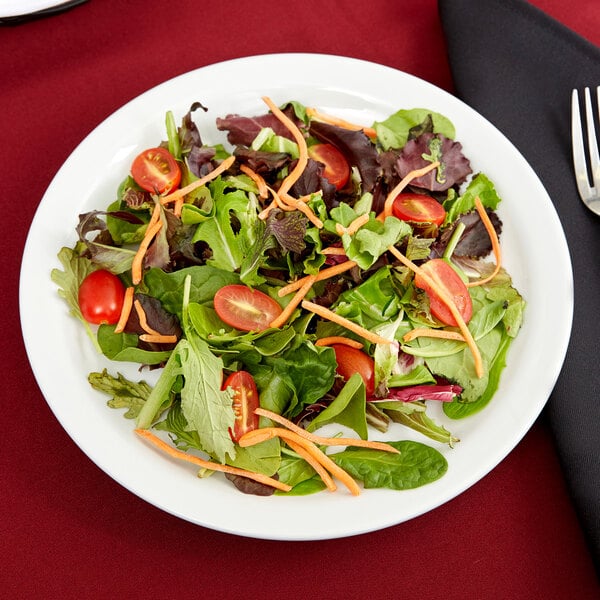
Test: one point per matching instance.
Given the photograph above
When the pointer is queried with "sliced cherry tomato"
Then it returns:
(418, 208)
(245, 401)
(156, 170)
(244, 308)
(448, 279)
(101, 296)
(351, 360)
(337, 169)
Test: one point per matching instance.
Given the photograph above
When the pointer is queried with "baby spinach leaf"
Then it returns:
(416, 465)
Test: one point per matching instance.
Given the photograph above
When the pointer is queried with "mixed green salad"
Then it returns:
(304, 272)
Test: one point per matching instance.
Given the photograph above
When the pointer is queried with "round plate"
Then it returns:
(360, 92)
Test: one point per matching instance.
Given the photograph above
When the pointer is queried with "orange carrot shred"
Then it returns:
(180, 193)
(321, 275)
(353, 227)
(158, 338)
(293, 303)
(126, 310)
(294, 175)
(339, 339)
(389, 201)
(138, 259)
(335, 250)
(142, 318)
(325, 313)
(263, 192)
(433, 333)
(324, 441)
(251, 438)
(447, 300)
(212, 466)
(314, 463)
(319, 116)
(495, 244)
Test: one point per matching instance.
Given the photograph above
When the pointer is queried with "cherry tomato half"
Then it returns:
(352, 360)
(418, 208)
(244, 308)
(100, 297)
(245, 401)
(448, 279)
(337, 169)
(156, 170)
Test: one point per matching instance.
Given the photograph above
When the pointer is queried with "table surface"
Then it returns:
(67, 529)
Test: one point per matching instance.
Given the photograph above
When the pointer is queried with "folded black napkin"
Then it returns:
(517, 66)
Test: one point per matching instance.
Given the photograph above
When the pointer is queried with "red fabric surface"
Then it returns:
(66, 529)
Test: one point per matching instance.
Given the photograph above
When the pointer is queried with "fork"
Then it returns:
(590, 194)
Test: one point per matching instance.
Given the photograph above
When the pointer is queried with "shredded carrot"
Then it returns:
(155, 215)
(334, 250)
(324, 441)
(389, 201)
(447, 300)
(354, 226)
(293, 303)
(158, 338)
(314, 463)
(126, 310)
(263, 192)
(335, 318)
(212, 466)
(143, 320)
(180, 193)
(294, 175)
(339, 339)
(319, 116)
(495, 244)
(258, 435)
(138, 259)
(321, 275)
(433, 333)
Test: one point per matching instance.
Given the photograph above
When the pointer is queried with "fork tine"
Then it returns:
(592, 140)
(579, 161)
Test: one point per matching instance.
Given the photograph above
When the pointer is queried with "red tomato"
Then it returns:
(337, 169)
(156, 170)
(101, 296)
(244, 308)
(448, 279)
(245, 401)
(418, 208)
(351, 360)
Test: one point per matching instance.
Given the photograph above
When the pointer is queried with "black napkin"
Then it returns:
(517, 66)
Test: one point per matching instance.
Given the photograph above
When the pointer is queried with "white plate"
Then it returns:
(16, 8)
(533, 243)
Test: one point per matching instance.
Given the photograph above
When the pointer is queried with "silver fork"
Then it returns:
(590, 194)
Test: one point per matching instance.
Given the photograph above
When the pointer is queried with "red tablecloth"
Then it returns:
(67, 529)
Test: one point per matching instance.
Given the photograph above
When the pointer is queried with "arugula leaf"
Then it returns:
(418, 420)
(207, 409)
(416, 465)
(125, 393)
(228, 246)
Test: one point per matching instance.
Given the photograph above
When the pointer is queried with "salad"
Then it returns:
(307, 272)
